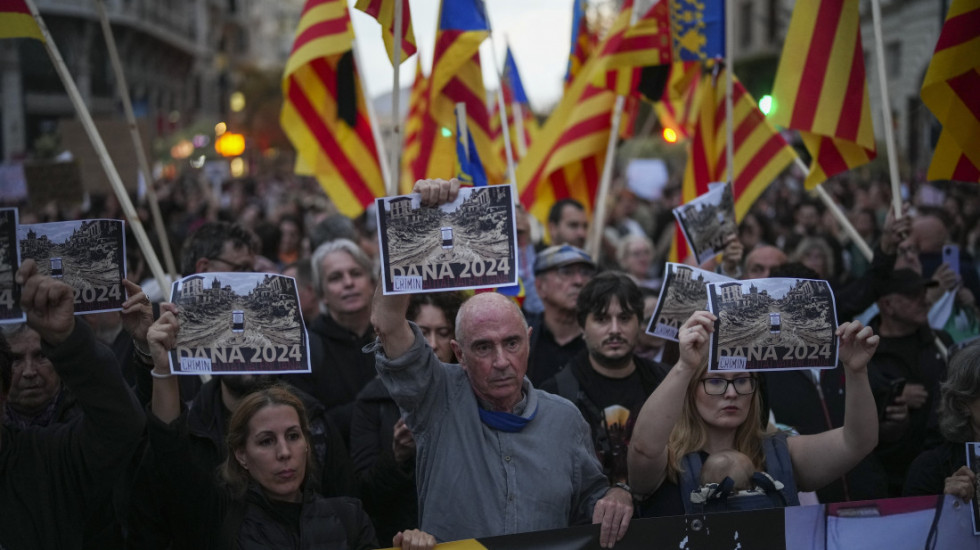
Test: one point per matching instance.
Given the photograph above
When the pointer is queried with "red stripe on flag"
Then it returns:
(373, 8)
(328, 144)
(362, 125)
(959, 29)
(965, 170)
(815, 68)
(830, 159)
(760, 160)
(319, 30)
(744, 130)
(14, 6)
(476, 109)
(444, 41)
(850, 114)
(967, 87)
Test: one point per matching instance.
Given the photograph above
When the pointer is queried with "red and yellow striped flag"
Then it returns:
(760, 152)
(457, 78)
(16, 21)
(951, 90)
(821, 89)
(418, 111)
(583, 42)
(323, 111)
(384, 12)
(629, 49)
(677, 108)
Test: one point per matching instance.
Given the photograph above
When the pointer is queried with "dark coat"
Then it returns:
(387, 487)
(51, 478)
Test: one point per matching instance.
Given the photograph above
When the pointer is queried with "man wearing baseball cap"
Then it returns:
(560, 272)
(908, 351)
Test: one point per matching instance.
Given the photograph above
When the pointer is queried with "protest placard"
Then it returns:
(772, 324)
(684, 291)
(973, 463)
(239, 323)
(88, 255)
(708, 220)
(469, 243)
(10, 310)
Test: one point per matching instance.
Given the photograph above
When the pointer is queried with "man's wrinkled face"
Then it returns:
(34, 383)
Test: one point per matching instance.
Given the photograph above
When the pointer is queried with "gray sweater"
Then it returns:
(475, 481)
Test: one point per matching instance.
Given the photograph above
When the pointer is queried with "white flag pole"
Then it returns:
(886, 111)
(100, 150)
(144, 164)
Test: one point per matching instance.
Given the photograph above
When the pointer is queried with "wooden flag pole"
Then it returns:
(886, 111)
(593, 244)
(375, 131)
(93, 134)
(838, 214)
(502, 107)
(134, 133)
(729, 116)
(396, 89)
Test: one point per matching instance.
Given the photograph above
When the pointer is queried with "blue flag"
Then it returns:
(469, 170)
(514, 78)
(463, 15)
(698, 29)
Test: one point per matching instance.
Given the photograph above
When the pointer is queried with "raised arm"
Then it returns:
(162, 336)
(388, 312)
(821, 458)
(647, 456)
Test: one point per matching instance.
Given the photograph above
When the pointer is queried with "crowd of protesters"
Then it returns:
(254, 461)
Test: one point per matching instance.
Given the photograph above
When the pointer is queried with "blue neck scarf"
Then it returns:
(505, 421)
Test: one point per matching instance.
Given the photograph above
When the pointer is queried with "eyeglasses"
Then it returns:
(235, 268)
(585, 270)
(744, 385)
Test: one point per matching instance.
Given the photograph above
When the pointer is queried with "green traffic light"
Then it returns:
(766, 104)
(446, 132)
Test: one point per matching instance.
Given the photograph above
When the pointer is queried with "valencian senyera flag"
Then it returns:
(698, 29)
(418, 111)
(457, 78)
(384, 12)
(583, 42)
(951, 90)
(16, 21)
(760, 152)
(469, 169)
(323, 111)
(821, 89)
(523, 126)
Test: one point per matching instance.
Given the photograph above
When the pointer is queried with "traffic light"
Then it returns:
(766, 104)
(670, 136)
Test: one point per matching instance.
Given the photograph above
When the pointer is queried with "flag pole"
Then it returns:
(886, 111)
(729, 116)
(375, 131)
(144, 164)
(501, 105)
(593, 245)
(93, 134)
(396, 62)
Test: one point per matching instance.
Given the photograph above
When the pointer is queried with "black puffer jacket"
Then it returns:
(325, 524)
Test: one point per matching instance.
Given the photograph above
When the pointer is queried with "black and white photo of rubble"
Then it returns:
(684, 291)
(469, 243)
(240, 323)
(774, 324)
(10, 310)
(88, 255)
(708, 220)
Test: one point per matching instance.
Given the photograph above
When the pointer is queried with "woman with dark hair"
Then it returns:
(943, 470)
(265, 497)
(694, 413)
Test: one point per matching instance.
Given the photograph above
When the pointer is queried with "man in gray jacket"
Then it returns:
(494, 455)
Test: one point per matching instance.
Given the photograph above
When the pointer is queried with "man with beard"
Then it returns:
(607, 382)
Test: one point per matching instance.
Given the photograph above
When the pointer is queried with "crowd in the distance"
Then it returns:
(436, 417)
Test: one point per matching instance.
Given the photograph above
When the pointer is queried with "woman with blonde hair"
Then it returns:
(694, 413)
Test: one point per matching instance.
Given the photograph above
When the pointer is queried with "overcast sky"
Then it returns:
(538, 32)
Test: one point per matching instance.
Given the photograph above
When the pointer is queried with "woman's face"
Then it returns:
(275, 452)
(726, 411)
(437, 332)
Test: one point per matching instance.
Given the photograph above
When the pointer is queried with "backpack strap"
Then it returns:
(779, 465)
(689, 480)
